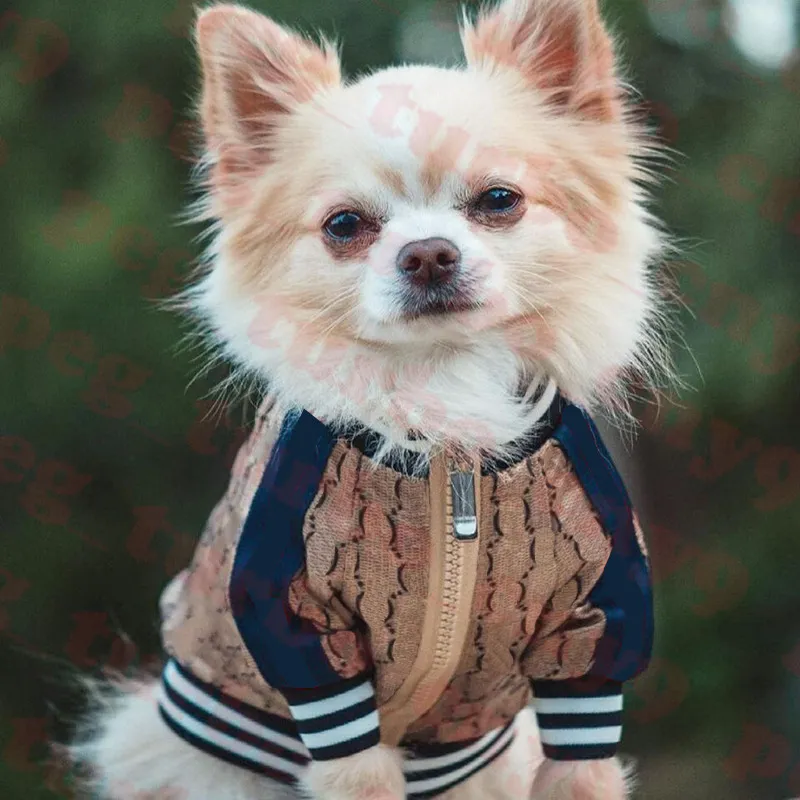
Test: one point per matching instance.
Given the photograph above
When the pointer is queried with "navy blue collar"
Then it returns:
(408, 462)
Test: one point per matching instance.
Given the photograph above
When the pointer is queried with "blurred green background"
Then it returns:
(109, 465)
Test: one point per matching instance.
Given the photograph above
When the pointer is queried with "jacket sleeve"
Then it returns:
(334, 708)
(593, 639)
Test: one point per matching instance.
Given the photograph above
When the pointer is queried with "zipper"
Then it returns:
(455, 511)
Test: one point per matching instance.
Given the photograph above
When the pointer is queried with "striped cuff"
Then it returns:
(336, 721)
(578, 720)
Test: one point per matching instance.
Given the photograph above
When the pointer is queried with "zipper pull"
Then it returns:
(465, 518)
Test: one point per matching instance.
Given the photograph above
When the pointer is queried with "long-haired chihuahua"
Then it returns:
(426, 578)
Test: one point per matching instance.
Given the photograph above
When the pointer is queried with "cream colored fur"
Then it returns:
(376, 773)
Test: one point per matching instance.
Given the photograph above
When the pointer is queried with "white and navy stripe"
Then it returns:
(338, 721)
(241, 734)
(437, 768)
(576, 725)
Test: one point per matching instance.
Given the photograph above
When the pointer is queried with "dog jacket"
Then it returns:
(335, 602)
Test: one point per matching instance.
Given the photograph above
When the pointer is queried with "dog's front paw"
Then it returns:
(375, 774)
(580, 780)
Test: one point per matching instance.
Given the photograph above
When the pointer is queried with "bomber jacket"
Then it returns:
(334, 602)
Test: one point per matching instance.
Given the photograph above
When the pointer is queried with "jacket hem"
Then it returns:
(225, 728)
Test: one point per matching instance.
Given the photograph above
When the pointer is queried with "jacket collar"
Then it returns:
(410, 462)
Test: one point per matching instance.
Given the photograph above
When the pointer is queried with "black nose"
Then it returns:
(429, 261)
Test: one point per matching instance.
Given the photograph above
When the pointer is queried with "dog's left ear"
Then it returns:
(559, 47)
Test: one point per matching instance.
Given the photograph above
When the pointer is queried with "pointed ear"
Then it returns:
(559, 46)
(254, 73)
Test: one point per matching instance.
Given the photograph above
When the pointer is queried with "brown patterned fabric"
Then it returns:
(368, 555)
(198, 628)
(367, 548)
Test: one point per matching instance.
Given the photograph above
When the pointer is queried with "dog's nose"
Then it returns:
(429, 260)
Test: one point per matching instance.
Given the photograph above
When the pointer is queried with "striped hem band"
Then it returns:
(431, 775)
(575, 726)
(265, 743)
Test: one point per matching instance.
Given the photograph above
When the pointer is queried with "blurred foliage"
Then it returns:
(109, 465)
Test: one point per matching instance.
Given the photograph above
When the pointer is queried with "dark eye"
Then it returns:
(497, 201)
(344, 226)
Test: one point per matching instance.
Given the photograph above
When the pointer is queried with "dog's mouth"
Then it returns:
(438, 301)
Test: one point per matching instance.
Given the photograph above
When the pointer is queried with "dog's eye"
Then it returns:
(497, 201)
(344, 226)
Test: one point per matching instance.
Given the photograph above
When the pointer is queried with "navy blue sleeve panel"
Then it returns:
(334, 717)
(271, 552)
(624, 591)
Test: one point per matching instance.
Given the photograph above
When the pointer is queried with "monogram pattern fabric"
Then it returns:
(197, 625)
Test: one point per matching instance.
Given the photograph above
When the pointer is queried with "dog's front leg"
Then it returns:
(604, 779)
(373, 774)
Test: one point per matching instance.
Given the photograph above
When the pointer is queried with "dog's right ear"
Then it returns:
(254, 73)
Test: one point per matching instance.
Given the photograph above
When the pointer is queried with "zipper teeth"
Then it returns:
(454, 595)
(454, 564)
(452, 579)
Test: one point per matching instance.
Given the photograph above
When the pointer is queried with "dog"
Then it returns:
(436, 275)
